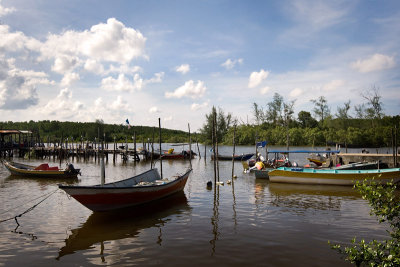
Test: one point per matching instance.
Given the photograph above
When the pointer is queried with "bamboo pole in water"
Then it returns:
(152, 150)
(159, 127)
(233, 154)
(216, 144)
(190, 148)
(198, 148)
(395, 145)
(213, 148)
(103, 171)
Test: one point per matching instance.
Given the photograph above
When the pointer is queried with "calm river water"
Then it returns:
(250, 222)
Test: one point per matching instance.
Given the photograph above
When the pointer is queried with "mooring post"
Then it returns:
(216, 143)
(198, 148)
(213, 148)
(159, 126)
(233, 154)
(190, 148)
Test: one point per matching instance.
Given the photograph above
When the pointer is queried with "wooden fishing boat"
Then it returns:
(140, 189)
(331, 176)
(362, 166)
(235, 157)
(185, 154)
(41, 171)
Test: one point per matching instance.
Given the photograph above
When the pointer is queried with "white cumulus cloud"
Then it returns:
(154, 110)
(230, 64)
(265, 90)
(295, 92)
(374, 63)
(63, 106)
(5, 10)
(16, 86)
(69, 78)
(257, 77)
(333, 85)
(110, 41)
(122, 83)
(196, 106)
(94, 66)
(189, 89)
(184, 68)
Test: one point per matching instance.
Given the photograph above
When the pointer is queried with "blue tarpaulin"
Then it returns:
(261, 144)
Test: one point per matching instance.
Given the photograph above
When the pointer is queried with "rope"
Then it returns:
(29, 209)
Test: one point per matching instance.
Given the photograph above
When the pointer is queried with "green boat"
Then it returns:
(332, 176)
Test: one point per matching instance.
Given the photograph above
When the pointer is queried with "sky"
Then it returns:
(175, 60)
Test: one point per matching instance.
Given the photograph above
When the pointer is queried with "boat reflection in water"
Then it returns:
(124, 223)
(319, 197)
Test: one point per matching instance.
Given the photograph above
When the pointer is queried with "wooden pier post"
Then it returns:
(159, 126)
(190, 148)
(216, 144)
(198, 148)
(213, 147)
(233, 154)
(114, 151)
(152, 150)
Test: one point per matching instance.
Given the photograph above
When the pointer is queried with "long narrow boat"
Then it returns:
(330, 176)
(241, 157)
(185, 154)
(41, 171)
(140, 189)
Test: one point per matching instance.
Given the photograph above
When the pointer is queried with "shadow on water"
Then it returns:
(317, 197)
(42, 181)
(124, 223)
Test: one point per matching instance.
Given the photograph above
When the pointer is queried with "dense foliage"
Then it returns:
(277, 123)
(50, 131)
(385, 204)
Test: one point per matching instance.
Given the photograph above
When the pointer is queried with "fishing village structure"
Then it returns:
(26, 144)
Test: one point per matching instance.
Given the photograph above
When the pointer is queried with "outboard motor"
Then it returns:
(71, 169)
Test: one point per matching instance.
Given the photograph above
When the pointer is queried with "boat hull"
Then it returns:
(97, 198)
(262, 174)
(332, 177)
(236, 157)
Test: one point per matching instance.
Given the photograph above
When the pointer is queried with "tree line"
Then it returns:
(54, 131)
(277, 123)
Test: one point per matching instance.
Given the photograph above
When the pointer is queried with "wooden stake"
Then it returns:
(159, 126)
(190, 148)
(233, 154)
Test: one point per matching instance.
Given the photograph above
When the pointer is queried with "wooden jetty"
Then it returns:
(25, 143)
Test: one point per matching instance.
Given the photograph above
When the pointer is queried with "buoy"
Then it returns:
(234, 176)
(229, 182)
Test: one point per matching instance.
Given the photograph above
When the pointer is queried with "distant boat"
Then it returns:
(362, 166)
(332, 176)
(140, 189)
(235, 157)
(170, 154)
(41, 171)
